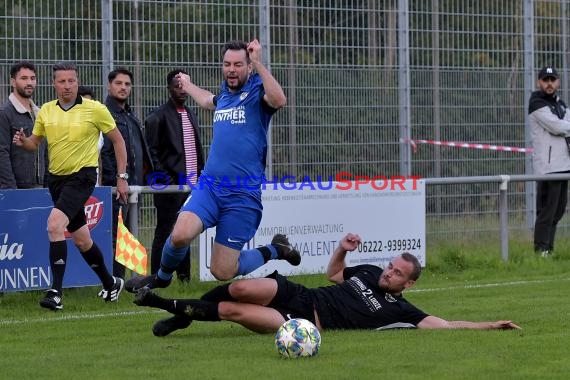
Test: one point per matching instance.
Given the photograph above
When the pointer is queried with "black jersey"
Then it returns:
(359, 303)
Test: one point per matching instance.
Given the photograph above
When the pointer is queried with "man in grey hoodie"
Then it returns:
(20, 169)
(550, 126)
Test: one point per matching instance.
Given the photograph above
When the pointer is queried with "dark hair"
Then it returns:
(84, 90)
(415, 262)
(236, 45)
(171, 75)
(64, 66)
(119, 70)
(21, 65)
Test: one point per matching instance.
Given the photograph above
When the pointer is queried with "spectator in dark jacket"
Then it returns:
(20, 168)
(172, 132)
(139, 163)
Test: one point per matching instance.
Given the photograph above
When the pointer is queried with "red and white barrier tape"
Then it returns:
(458, 144)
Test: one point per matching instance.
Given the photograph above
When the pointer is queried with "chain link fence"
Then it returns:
(362, 77)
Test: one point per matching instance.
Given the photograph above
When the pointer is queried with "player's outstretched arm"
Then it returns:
(202, 97)
(431, 322)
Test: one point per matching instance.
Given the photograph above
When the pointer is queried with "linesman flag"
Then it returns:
(129, 251)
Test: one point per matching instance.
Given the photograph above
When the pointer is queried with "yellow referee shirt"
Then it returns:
(73, 135)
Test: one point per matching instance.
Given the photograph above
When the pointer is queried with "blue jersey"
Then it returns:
(239, 145)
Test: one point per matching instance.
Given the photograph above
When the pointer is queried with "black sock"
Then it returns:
(198, 310)
(118, 269)
(265, 252)
(193, 309)
(154, 300)
(94, 259)
(218, 294)
(57, 262)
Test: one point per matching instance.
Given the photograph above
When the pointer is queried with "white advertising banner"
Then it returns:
(389, 216)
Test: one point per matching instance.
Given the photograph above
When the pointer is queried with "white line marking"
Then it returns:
(491, 285)
(154, 311)
(78, 317)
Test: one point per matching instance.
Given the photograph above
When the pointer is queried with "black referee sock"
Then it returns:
(57, 262)
(94, 259)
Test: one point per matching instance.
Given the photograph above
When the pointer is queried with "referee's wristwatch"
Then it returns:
(124, 176)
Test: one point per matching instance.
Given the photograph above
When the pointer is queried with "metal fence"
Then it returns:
(362, 77)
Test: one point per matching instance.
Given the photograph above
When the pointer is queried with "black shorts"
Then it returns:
(292, 300)
(70, 192)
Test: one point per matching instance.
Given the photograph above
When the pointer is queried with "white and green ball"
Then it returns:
(297, 338)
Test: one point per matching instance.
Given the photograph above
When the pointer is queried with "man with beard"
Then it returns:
(550, 127)
(363, 297)
(139, 164)
(19, 168)
(228, 192)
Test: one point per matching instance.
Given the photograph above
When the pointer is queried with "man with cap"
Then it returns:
(550, 127)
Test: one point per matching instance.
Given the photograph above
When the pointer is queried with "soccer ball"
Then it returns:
(297, 338)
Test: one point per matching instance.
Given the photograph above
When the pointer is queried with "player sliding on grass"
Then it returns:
(364, 297)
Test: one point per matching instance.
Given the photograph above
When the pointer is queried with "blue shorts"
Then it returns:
(236, 214)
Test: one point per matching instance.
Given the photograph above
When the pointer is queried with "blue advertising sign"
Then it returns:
(24, 244)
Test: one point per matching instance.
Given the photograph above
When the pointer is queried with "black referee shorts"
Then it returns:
(70, 192)
(292, 300)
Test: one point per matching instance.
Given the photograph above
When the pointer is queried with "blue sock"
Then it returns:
(171, 257)
(249, 261)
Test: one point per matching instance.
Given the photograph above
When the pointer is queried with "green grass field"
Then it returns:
(93, 340)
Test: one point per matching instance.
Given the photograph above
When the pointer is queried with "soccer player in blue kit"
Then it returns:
(228, 192)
